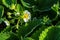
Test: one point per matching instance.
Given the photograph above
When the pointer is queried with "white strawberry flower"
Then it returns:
(7, 23)
(26, 16)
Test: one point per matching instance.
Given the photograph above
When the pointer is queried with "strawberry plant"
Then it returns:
(29, 19)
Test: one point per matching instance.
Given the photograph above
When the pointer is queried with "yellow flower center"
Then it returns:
(25, 16)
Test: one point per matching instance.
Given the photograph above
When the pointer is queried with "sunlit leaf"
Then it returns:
(50, 33)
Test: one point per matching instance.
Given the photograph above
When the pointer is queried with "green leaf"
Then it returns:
(56, 7)
(26, 4)
(7, 34)
(4, 36)
(1, 20)
(28, 28)
(44, 33)
(13, 37)
(0, 2)
(10, 3)
(19, 8)
(50, 33)
(1, 11)
(39, 5)
(37, 33)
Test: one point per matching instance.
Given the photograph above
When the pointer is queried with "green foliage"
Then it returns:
(1, 11)
(29, 19)
(38, 5)
(4, 36)
(37, 33)
(44, 33)
(50, 33)
(10, 3)
(28, 28)
(18, 8)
